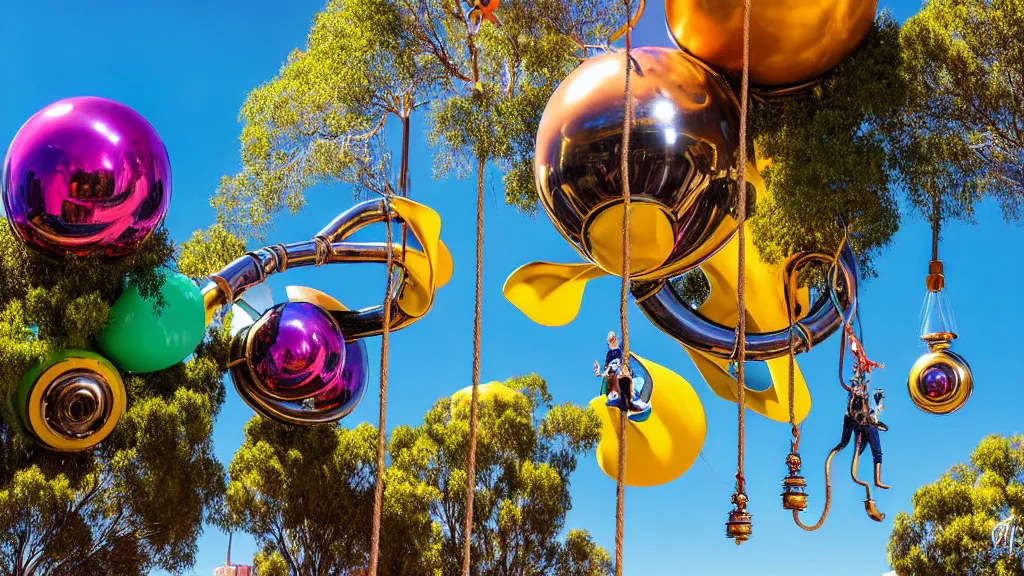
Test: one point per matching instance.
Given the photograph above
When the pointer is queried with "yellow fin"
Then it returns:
(550, 294)
(313, 296)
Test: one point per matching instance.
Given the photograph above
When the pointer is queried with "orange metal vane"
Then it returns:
(791, 41)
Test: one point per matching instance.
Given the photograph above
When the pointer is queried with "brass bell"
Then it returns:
(739, 526)
(793, 495)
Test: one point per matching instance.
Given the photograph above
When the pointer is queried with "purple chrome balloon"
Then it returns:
(296, 351)
(86, 176)
(937, 381)
(341, 398)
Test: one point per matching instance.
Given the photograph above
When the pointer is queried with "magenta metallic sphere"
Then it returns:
(938, 381)
(86, 176)
(296, 351)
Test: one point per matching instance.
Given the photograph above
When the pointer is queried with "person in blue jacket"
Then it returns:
(611, 372)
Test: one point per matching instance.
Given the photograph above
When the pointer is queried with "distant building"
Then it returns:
(234, 570)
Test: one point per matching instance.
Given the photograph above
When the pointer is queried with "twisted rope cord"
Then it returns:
(741, 303)
(467, 545)
(378, 490)
(626, 396)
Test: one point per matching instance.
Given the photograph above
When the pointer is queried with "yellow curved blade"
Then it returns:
(766, 311)
(421, 267)
(313, 296)
(550, 294)
(663, 447)
(445, 266)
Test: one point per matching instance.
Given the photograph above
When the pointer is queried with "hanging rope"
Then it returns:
(467, 545)
(738, 526)
(378, 490)
(625, 392)
(792, 285)
(936, 225)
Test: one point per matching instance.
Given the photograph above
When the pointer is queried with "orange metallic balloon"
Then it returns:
(791, 41)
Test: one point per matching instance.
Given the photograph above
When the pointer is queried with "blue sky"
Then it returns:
(187, 66)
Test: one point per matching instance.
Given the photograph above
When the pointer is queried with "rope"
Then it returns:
(471, 464)
(936, 226)
(741, 304)
(792, 285)
(378, 491)
(828, 496)
(626, 396)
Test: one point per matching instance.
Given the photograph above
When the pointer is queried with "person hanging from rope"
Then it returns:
(860, 417)
(611, 373)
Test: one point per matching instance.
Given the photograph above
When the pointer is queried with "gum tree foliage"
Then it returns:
(831, 151)
(306, 493)
(964, 63)
(138, 501)
(321, 118)
(949, 532)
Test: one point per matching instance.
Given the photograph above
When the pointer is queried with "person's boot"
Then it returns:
(878, 477)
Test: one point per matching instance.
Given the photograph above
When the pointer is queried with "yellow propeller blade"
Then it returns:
(550, 294)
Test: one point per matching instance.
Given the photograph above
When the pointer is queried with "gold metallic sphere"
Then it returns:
(683, 147)
(791, 41)
(940, 381)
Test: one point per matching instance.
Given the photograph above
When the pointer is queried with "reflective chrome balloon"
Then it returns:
(295, 351)
(342, 396)
(941, 381)
(333, 403)
(86, 176)
(683, 147)
(294, 366)
(791, 41)
(72, 401)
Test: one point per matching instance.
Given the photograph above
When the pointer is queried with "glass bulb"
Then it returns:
(937, 321)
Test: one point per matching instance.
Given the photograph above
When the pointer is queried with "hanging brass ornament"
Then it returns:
(940, 381)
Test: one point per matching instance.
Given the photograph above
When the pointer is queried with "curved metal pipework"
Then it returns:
(665, 308)
(230, 283)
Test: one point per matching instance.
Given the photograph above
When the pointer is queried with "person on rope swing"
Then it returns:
(862, 420)
(611, 373)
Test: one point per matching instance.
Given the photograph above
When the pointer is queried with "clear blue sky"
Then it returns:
(187, 65)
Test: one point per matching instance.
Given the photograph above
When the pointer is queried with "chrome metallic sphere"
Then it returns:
(86, 176)
(333, 397)
(683, 149)
(295, 351)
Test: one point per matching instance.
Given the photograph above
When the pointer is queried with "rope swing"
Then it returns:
(625, 395)
(471, 464)
(378, 490)
(738, 526)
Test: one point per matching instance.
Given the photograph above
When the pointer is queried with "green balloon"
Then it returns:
(138, 340)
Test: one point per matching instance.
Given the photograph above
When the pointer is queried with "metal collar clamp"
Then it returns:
(417, 268)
